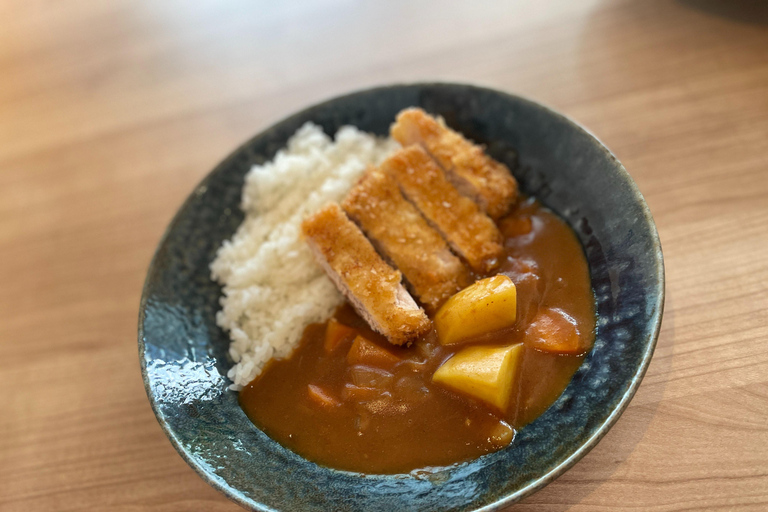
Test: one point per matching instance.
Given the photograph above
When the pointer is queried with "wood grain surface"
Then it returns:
(111, 112)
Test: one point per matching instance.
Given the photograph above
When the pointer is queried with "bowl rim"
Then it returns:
(236, 495)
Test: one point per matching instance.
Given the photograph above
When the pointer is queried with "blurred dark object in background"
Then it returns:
(745, 11)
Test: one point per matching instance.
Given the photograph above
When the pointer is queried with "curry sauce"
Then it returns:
(331, 407)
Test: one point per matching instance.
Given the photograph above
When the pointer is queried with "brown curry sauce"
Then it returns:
(394, 419)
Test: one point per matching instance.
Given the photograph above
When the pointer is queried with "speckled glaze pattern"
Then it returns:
(184, 358)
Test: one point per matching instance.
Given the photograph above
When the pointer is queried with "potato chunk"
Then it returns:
(486, 306)
(553, 330)
(485, 373)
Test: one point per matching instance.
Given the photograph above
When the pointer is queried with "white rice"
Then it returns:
(272, 287)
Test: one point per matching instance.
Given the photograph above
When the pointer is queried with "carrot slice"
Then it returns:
(366, 352)
(516, 225)
(321, 397)
(337, 333)
(552, 330)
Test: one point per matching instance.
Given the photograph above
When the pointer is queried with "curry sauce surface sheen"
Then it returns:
(393, 419)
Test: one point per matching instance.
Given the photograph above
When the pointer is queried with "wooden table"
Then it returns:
(111, 112)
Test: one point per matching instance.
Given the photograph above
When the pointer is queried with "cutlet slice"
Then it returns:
(470, 232)
(399, 231)
(371, 286)
(478, 176)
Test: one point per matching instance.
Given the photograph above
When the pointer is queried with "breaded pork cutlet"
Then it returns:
(399, 231)
(468, 231)
(371, 286)
(476, 175)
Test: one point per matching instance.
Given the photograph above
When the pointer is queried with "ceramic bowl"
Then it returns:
(184, 354)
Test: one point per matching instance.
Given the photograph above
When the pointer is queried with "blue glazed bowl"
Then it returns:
(184, 354)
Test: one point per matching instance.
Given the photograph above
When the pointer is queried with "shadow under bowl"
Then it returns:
(184, 354)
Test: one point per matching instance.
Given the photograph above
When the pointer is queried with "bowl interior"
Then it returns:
(184, 354)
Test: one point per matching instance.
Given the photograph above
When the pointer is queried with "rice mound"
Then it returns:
(272, 287)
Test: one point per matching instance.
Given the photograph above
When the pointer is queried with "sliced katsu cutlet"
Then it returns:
(399, 231)
(469, 232)
(476, 175)
(371, 286)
